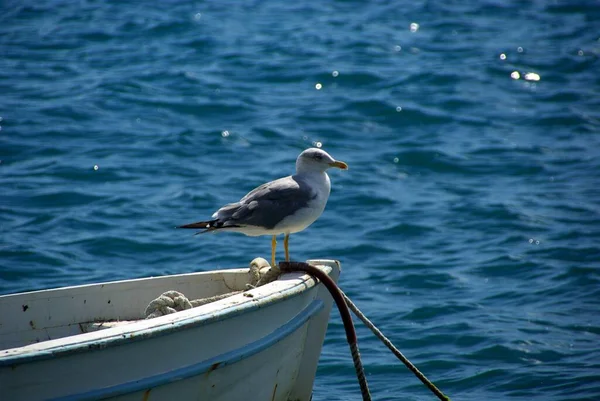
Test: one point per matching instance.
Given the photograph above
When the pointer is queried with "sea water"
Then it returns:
(468, 224)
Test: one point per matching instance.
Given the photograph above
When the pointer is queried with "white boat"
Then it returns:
(262, 344)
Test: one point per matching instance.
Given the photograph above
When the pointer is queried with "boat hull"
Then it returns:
(263, 344)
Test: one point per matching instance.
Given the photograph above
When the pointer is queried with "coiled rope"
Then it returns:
(343, 303)
(260, 273)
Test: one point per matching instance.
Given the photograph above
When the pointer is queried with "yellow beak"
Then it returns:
(339, 164)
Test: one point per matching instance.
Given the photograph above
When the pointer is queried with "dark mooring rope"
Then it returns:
(338, 297)
(343, 303)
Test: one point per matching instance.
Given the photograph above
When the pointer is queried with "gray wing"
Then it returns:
(268, 204)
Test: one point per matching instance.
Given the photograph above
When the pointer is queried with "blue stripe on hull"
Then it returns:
(196, 369)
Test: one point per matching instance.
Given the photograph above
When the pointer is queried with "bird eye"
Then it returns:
(318, 156)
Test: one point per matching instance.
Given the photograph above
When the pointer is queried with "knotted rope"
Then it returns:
(174, 301)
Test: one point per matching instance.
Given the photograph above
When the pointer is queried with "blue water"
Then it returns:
(468, 225)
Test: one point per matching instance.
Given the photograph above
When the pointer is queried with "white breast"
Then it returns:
(303, 218)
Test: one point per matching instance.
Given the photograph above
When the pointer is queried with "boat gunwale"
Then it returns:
(168, 324)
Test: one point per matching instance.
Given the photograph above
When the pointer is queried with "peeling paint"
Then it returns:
(25, 307)
(213, 367)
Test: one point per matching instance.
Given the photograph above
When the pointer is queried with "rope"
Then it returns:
(343, 303)
(173, 301)
(360, 372)
(395, 350)
(337, 295)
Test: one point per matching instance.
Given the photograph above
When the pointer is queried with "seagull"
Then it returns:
(284, 206)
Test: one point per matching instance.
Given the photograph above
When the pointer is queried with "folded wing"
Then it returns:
(264, 207)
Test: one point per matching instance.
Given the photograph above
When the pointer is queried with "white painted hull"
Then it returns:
(260, 347)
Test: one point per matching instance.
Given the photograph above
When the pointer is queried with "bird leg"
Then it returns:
(286, 242)
(273, 247)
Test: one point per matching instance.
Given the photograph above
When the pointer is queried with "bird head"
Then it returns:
(317, 160)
